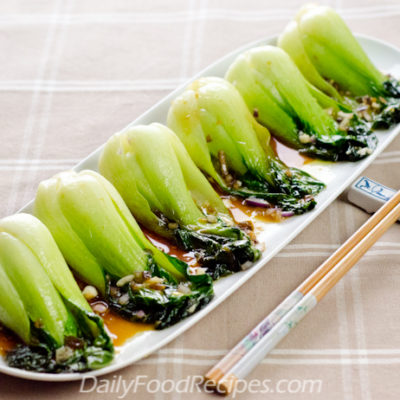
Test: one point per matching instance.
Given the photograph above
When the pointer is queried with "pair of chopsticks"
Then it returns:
(252, 349)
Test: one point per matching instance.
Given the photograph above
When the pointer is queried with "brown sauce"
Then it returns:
(169, 248)
(241, 212)
(291, 157)
(8, 340)
(119, 329)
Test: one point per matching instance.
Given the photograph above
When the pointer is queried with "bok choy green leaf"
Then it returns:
(41, 302)
(169, 195)
(282, 100)
(104, 245)
(233, 149)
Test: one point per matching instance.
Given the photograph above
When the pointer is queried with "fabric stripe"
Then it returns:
(374, 12)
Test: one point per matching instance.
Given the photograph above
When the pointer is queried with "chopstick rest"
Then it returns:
(369, 194)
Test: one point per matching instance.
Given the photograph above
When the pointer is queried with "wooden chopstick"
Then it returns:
(222, 375)
(353, 240)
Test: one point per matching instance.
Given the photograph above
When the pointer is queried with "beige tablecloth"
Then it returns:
(74, 72)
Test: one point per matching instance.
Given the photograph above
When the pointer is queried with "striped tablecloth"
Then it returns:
(74, 72)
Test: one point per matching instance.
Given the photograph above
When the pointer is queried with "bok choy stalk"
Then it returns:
(233, 149)
(169, 195)
(104, 245)
(41, 302)
(282, 100)
(330, 57)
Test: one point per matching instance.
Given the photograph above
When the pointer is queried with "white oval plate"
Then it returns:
(337, 176)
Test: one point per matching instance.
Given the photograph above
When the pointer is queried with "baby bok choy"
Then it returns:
(169, 195)
(105, 247)
(296, 112)
(330, 57)
(41, 302)
(233, 149)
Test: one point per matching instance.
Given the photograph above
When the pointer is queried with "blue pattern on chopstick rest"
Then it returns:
(374, 189)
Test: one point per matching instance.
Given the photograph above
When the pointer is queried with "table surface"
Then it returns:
(74, 72)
